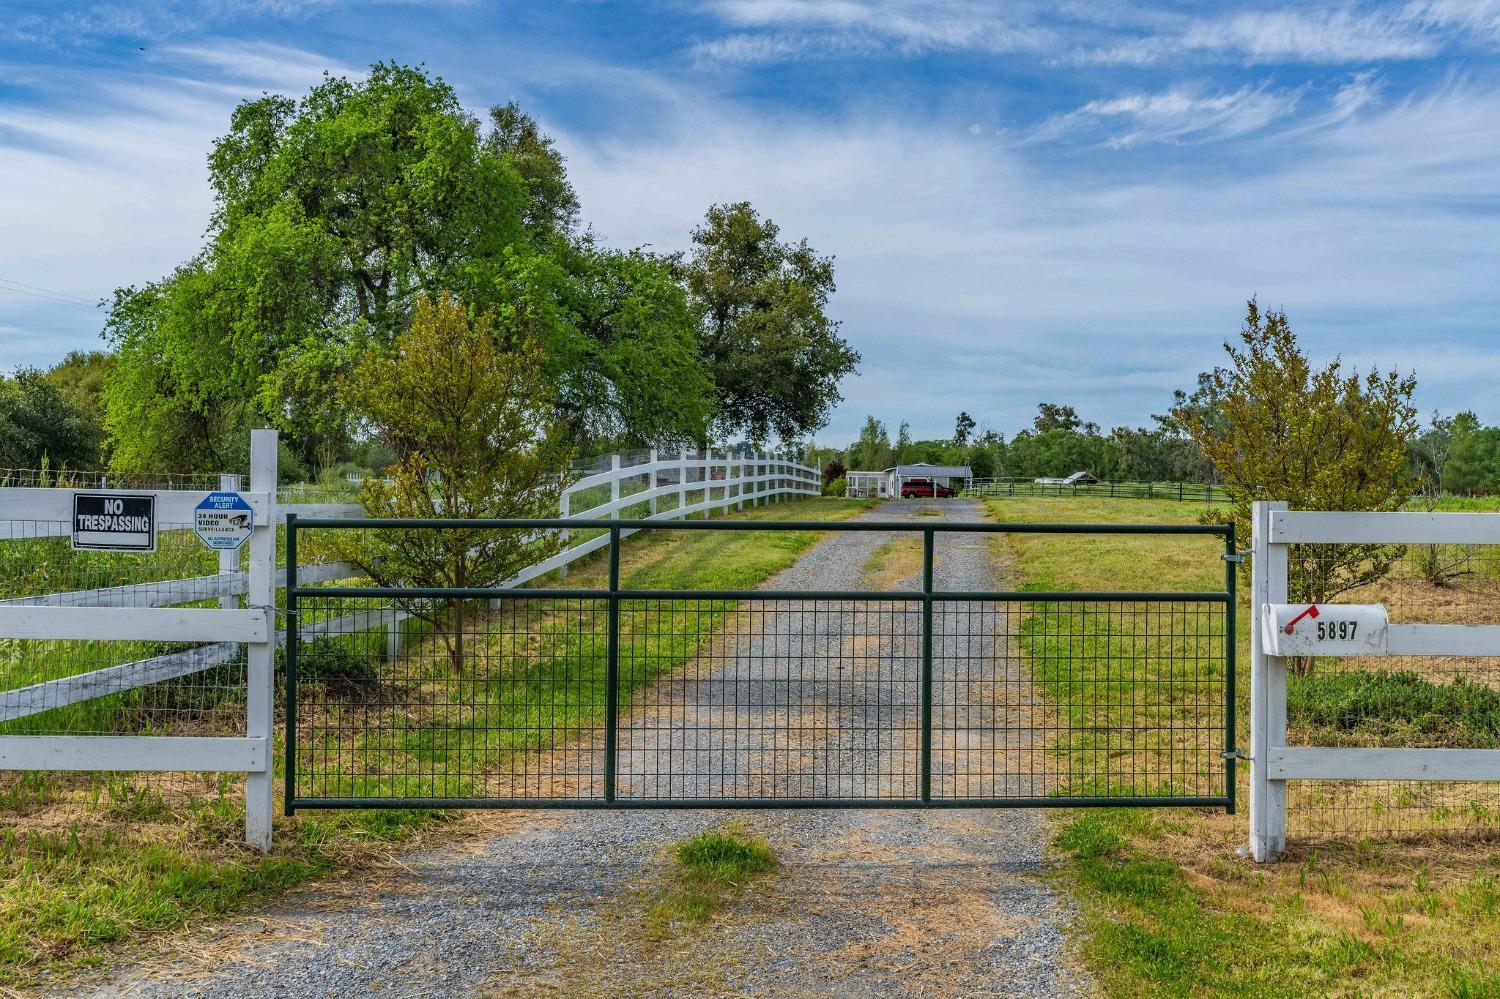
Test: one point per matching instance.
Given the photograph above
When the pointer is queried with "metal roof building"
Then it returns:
(956, 476)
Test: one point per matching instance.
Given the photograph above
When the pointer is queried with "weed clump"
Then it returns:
(729, 856)
(711, 869)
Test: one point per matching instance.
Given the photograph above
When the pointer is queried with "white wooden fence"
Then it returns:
(1275, 635)
(106, 614)
(697, 484)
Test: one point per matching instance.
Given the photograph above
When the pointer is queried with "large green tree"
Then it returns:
(331, 216)
(40, 426)
(774, 355)
(1473, 459)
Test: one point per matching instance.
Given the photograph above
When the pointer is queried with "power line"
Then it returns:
(22, 288)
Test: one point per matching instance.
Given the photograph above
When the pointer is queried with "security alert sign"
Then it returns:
(1325, 629)
(223, 521)
(114, 522)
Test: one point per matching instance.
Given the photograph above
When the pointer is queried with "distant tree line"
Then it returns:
(1058, 442)
(1208, 434)
(335, 215)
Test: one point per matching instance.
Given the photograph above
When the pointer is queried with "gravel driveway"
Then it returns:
(866, 903)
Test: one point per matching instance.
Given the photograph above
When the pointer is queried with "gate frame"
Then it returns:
(613, 594)
(1274, 527)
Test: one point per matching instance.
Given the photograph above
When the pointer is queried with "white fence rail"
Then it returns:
(1273, 762)
(697, 484)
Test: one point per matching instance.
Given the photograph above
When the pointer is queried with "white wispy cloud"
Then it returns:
(956, 245)
(1478, 18)
(277, 66)
(1175, 115)
(767, 31)
(1338, 35)
(105, 185)
(788, 29)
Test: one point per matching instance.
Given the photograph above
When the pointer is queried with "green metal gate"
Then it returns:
(587, 694)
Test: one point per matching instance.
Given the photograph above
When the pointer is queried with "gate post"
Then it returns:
(1268, 585)
(612, 668)
(614, 486)
(926, 693)
(260, 676)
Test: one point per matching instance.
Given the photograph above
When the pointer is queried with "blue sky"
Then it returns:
(1056, 201)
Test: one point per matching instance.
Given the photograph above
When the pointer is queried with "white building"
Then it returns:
(865, 485)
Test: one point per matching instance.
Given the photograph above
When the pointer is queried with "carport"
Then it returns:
(954, 476)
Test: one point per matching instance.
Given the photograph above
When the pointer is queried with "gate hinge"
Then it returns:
(1233, 754)
(1236, 557)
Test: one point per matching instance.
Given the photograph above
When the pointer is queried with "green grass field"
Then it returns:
(87, 862)
(1168, 908)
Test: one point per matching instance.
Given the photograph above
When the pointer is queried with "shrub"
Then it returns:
(1399, 708)
(838, 487)
(328, 660)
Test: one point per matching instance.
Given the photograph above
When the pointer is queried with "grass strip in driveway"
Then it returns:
(88, 866)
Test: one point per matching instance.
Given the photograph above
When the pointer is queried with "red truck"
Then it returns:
(917, 488)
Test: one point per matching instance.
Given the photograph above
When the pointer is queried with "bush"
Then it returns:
(838, 487)
(327, 660)
(1399, 708)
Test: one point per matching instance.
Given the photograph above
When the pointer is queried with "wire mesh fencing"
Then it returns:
(114, 687)
(605, 695)
(1448, 702)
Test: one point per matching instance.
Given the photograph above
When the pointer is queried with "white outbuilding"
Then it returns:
(953, 476)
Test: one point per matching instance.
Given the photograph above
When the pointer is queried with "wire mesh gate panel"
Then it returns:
(607, 695)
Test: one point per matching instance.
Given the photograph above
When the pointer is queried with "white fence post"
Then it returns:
(229, 559)
(708, 483)
(260, 676)
(651, 481)
(1268, 585)
(614, 485)
(565, 504)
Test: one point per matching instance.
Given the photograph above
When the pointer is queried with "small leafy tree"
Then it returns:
(872, 451)
(833, 470)
(1319, 439)
(476, 437)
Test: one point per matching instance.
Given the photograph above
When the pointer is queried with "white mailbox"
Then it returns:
(1325, 629)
